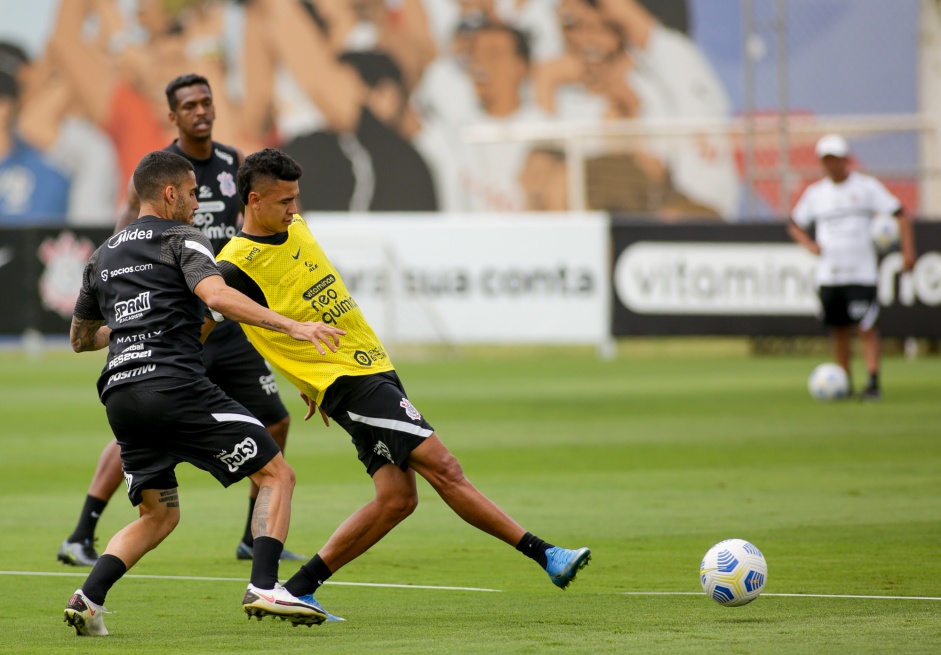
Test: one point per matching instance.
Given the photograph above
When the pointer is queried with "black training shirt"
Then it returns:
(140, 282)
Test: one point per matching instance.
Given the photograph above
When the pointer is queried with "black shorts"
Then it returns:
(162, 422)
(233, 363)
(376, 412)
(851, 304)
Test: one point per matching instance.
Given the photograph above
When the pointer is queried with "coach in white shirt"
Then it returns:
(840, 208)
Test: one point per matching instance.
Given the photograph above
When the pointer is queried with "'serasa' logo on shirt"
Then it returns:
(224, 156)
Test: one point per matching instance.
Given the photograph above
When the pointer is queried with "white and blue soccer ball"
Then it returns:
(733, 572)
(828, 382)
(884, 230)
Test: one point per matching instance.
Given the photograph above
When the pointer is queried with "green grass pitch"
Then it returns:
(649, 460)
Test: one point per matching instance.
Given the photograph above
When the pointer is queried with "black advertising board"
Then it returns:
(708, 279)
(40, 275)
(692, 279)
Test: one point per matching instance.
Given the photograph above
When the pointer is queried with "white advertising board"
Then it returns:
(475, 279)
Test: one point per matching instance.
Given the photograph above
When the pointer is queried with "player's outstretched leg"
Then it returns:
(440, 468)
(563, 564)
(85, 616)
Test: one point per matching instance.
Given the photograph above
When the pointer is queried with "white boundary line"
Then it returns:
(700, 593)
(211, 579)
(440, 588)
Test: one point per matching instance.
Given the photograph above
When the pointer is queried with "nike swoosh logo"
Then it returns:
(297, 254)
(96, 515)
(270, 599)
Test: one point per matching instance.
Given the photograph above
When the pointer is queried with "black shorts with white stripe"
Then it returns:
(376, 412)
(164, 421)
(850, 304)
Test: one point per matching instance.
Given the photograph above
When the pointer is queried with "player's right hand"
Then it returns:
(312, 407)
(319, 334)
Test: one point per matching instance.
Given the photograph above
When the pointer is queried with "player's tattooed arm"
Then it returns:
(88, 335)
(235, 305)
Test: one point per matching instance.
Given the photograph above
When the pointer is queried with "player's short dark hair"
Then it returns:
(268, 165)
(181, 82)
(9, 87)
(12, 58)
(374, 67)
(520, 40)
(158, 169)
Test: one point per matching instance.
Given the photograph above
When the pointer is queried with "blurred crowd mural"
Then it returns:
(371, 96)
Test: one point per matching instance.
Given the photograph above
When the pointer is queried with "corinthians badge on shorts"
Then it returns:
(410, 410)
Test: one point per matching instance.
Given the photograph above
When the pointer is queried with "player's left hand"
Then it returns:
(317, 334)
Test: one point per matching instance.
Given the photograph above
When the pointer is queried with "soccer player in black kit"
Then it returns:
(142, 297)
(230, 360)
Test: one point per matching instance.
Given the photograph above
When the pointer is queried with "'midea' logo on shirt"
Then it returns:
(129, 235)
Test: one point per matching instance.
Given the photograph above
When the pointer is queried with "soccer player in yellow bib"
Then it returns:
(276, 261)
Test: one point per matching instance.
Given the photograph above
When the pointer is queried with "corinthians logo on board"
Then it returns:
(64, 257)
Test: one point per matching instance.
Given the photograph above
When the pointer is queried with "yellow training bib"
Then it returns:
(299, 282)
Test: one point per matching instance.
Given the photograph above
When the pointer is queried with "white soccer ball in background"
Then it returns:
(828, 382)
(733, 572)
(884, 230)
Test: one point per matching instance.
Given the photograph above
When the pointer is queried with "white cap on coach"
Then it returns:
(832, 144)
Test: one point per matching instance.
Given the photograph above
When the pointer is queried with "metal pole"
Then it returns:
(748, 25)
(784, 144)
(575, 165)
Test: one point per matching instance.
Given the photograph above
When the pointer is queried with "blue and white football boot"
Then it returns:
(564, 564)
